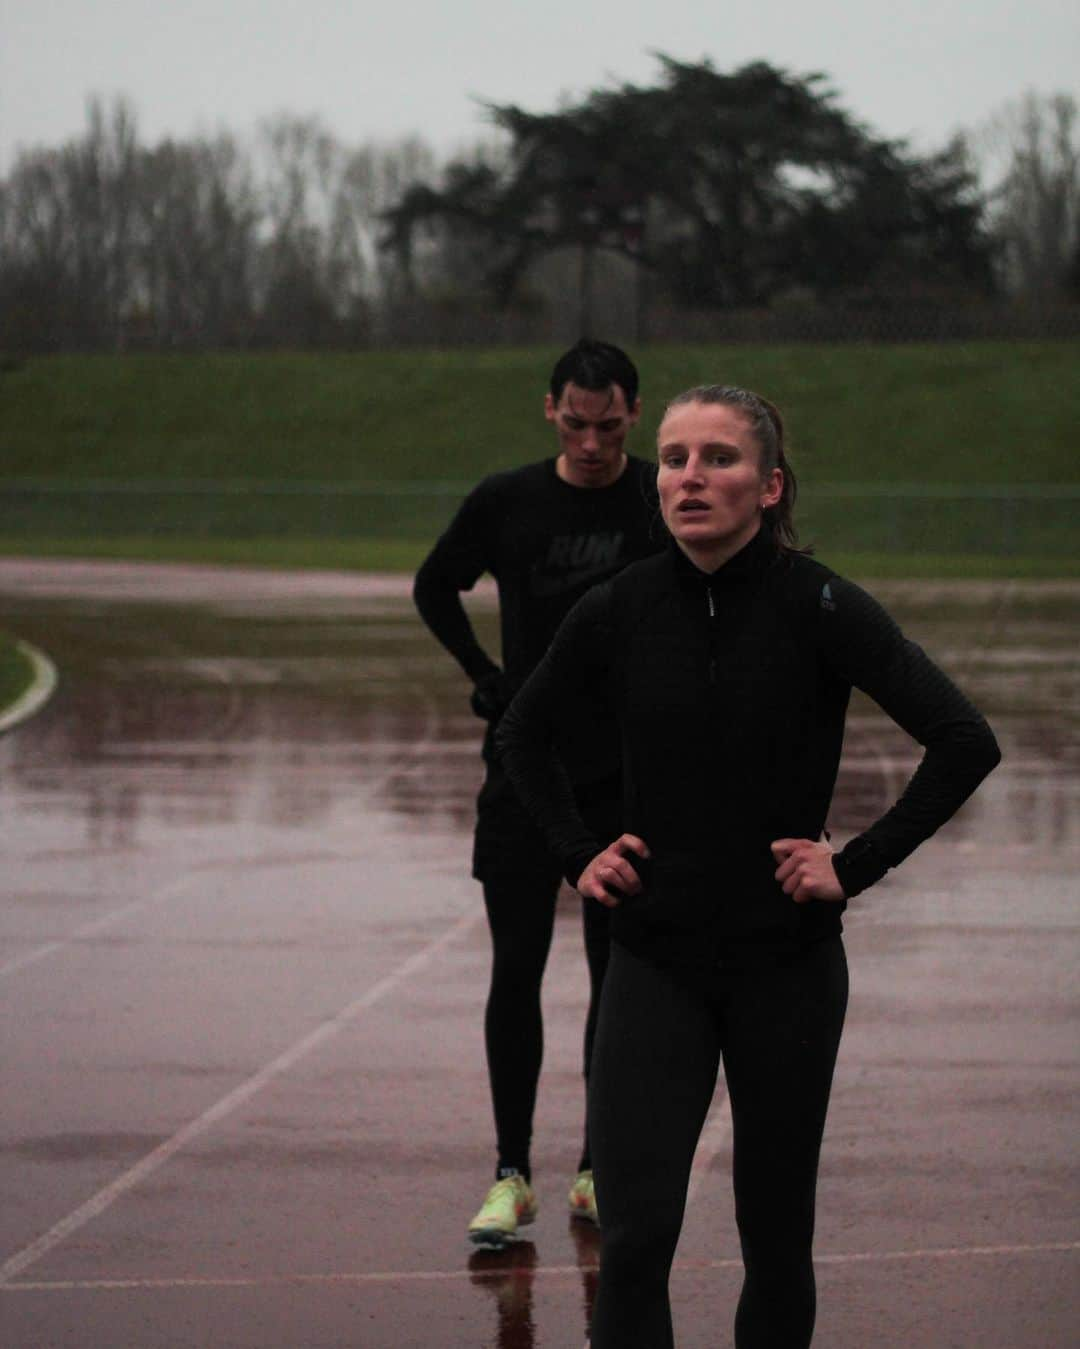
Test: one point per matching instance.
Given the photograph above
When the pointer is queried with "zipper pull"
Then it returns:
(712, 617)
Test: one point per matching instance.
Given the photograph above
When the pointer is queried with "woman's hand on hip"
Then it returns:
(610, 877)
(805, 870)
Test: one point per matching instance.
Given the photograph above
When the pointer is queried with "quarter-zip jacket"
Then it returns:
(730, 690)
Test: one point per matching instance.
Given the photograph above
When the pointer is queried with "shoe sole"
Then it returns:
(494, 1238)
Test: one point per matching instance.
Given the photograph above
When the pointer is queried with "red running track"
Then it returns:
(242, 969)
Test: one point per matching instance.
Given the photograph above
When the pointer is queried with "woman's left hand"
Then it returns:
(806, 870)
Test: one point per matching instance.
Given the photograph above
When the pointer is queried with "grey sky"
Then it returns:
(379, 71)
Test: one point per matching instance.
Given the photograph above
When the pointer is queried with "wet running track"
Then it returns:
(242, 970)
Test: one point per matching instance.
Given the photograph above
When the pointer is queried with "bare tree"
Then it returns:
(36, 273)
(104, 242)
(323, 274)
(1030, 153)
(99, 180)
(301, 277)
(68, 229)
(197, 243)
(372, 178)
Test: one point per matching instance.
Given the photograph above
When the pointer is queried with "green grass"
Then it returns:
(948, 566)
(16, 672)
(987, 412)
(360, 554)
(987, 416)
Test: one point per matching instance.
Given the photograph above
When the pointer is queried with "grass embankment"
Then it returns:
(988, 416)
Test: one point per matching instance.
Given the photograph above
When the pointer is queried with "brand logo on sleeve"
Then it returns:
(827, 601)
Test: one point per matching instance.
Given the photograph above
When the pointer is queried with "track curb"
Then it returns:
(34, 698)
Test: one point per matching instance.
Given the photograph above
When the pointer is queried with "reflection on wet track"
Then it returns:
(508, 1276)
(171, 711)
(248, 803)
(203, 736)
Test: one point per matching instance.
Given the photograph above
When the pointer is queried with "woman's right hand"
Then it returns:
(609, 877)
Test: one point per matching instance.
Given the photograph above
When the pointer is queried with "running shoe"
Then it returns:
(583, 1198)
(510, 1204)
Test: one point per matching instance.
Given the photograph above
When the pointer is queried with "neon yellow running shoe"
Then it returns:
(583, 1198)
(510, 1204)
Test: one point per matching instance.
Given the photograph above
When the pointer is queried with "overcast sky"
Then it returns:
(379, 71)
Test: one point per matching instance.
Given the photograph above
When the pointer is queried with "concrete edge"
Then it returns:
(34, 698)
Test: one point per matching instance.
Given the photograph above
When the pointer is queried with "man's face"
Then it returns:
(592, 426)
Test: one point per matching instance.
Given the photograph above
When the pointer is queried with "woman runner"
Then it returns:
(728, 660)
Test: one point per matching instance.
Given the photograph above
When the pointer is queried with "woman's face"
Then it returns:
(712, 491)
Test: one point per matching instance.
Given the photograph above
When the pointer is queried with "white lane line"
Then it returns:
(167, 892)
(41, 688)
(950, 1253)
(156, 1159)
(420, 747)
(544, 1271)
(714, 1137)
(101, 924)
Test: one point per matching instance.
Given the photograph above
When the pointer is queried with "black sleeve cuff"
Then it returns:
(574, 865)
(858, 866)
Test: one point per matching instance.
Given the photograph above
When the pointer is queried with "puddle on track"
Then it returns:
(171, 708)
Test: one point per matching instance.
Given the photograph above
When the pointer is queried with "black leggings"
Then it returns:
(521, 916)
(660, 1041)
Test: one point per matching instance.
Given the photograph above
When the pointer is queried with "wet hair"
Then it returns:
(767, 428)
(595, 366)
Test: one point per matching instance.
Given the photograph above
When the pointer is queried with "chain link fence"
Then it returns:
(620, 316)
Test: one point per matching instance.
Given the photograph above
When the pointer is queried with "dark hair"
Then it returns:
(767, 428)
(595, 366)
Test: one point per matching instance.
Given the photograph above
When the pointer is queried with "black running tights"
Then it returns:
(521, 916)
(660, 1042)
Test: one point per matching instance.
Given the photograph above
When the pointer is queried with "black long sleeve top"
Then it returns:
(730, 690)
(546, 543)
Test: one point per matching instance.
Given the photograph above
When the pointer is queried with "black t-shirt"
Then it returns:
(546, 543)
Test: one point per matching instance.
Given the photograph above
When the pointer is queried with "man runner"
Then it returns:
(546, 532)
